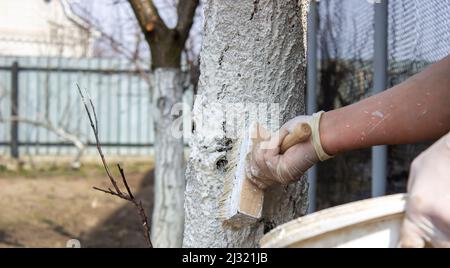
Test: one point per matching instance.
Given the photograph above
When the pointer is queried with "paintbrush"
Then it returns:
(242, 201)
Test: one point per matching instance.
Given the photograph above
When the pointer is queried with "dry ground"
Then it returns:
(45, 207)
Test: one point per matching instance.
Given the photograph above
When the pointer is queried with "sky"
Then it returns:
(115, 18)
(418, 29)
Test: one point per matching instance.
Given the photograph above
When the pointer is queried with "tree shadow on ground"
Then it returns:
(123, 228)
(8, 241)
(59, 229)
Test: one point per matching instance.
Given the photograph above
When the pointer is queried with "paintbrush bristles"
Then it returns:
(241, 201)
(228, 183)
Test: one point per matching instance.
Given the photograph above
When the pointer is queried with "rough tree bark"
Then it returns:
(166, 45)
(168, 216)
(253, 52)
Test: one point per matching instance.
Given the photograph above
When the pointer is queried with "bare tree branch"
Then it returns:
(95, 129)
(132, 55)
(147, 15)
(129, 197)
(59, 131)
(186, 13)
(122, 174)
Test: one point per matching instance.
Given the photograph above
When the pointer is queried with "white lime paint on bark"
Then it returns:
(168, 210)
(253, 52)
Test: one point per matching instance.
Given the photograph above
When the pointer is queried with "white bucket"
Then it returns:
(371, 223)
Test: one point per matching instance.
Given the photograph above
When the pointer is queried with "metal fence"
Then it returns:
(44, 90)
(362, 47)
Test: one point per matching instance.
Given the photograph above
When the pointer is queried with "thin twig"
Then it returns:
(109, 191)
(99, 148)
(116, 192)
(122, 174)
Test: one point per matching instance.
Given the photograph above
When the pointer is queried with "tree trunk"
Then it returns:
(168, 211)
(253, 53)
(166, 45)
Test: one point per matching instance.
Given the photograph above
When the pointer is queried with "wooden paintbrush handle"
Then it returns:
(300, 134)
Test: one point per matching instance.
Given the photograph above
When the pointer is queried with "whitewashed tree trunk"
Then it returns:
(253, 52)
(168, 210)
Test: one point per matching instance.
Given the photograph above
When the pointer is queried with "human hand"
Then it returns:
(267, 166)
(428, 206)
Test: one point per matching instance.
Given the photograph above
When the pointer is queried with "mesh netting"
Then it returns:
(345, 51)
(418, 35)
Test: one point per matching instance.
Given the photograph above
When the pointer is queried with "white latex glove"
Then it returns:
(267, 166)
(428, 206)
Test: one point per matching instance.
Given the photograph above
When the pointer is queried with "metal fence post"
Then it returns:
(379, 153)
(311, 94)
(14, 110)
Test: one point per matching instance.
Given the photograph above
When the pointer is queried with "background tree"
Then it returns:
(166, 46)
(253, 52)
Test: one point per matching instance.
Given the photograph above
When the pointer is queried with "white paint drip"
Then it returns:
(377, 124)
(378, 113)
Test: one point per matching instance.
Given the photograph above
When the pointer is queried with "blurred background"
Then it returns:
(48, 159)
(416, 36)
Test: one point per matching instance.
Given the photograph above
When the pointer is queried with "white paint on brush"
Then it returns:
(245, 148)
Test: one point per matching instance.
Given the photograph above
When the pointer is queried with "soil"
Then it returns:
(46, 208)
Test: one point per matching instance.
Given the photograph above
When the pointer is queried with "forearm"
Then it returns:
(415, 110)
